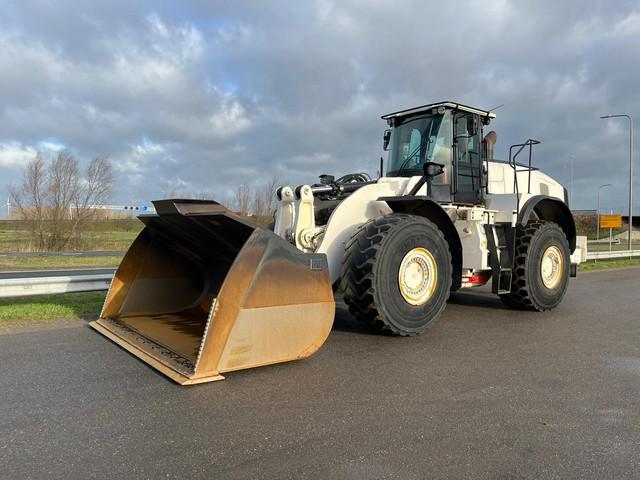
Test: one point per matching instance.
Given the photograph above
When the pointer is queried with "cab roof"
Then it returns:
(453, 105)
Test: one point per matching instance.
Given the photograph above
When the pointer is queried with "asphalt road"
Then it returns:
(487, 393)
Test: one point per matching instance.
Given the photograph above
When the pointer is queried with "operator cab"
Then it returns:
(446, 133)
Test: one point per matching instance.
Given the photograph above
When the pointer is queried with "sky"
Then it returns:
(192, 98)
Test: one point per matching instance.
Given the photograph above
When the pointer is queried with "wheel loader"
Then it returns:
(202, 291)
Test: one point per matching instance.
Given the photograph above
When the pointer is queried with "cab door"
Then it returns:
(468, 162)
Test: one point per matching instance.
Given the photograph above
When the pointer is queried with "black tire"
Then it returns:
(528, 291)
(370, 271)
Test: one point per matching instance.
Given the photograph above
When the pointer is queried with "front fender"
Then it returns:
(359, 207)
(428, 208)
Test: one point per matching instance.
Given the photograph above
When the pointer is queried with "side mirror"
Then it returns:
(386, 139)
(432, 169)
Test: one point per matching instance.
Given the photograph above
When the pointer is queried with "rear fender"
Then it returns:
(553, 210)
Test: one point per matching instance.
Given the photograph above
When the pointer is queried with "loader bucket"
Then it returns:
(202, 292)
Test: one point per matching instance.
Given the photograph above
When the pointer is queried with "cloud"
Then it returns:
(13, 154)
(199, 97)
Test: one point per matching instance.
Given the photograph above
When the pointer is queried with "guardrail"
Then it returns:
(612, 254)
(12, 284)
(97, 253)
(605, 241)
(18, 284)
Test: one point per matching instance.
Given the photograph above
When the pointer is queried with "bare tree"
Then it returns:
(242, 199)
(56, 200)
(264, 200)
(246, 200)
(202, 195)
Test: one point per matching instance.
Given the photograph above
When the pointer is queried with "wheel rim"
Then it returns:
(417, 276)
(552, 267)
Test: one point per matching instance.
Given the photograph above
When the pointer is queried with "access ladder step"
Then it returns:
(502, 281)
(500, 249)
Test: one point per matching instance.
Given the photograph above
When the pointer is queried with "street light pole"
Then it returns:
(598, 209)
(630, 118)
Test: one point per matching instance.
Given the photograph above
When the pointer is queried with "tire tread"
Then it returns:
(520, 295)
(358, 266)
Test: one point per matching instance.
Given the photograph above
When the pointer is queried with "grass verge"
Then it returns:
(47, 263)
(22, 311)
(591, 266)
(100, 235)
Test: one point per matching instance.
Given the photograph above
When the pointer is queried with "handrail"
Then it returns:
(527, 168)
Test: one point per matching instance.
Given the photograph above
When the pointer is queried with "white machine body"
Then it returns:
(501, 205)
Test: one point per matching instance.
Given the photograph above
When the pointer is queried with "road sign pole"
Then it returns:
(610, 233)
(598, 210)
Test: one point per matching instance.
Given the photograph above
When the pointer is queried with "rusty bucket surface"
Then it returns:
(202, 292)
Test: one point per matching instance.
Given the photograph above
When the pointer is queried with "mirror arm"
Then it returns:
(418, 186)
(425, 178)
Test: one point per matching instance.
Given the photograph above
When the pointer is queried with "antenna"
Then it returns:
(496, 108)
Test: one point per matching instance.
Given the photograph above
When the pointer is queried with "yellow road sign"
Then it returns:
(610, 221)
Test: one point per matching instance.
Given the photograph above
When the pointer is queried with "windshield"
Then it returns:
(418, 140)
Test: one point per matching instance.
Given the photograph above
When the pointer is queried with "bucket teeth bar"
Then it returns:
(202, 291)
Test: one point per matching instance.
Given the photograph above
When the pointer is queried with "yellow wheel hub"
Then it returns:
(417, 276)
(552, 267)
